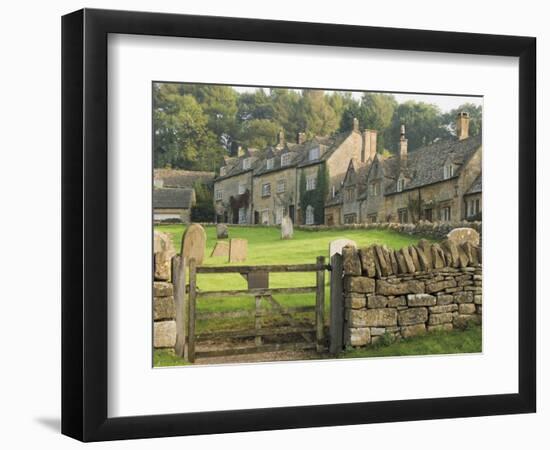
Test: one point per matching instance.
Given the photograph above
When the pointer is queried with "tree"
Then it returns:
(259, 133)
(319, 119)
(182, 138)
(203, 211)
(424, 124)
(475, 112)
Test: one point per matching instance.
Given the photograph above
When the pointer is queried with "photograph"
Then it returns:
(295, 223)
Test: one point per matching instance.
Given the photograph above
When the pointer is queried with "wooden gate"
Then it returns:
(308, 337)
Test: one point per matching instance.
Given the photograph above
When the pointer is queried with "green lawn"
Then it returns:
(456, 341)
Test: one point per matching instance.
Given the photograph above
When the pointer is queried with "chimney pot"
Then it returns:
(355, 124)
(281, 139)
(403, 145)
(240, 151)
(301, 138)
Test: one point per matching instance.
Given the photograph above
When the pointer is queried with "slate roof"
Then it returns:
(182, 178)
(476, 186)
(425, 165)
(234, 165)
(173, 198)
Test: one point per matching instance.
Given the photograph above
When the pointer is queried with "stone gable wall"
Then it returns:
(410, 291)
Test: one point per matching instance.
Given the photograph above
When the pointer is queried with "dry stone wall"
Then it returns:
(411, 291)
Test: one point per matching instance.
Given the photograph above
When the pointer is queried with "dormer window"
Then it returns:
(246, 163)
(314, 154)
(448, 171)
(285, 159)
(270, 162)
(374, 188)
(222, 171)
(400, 184)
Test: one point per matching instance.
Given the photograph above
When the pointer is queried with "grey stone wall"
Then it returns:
(164, 315)
(411, 291)
(434, 230)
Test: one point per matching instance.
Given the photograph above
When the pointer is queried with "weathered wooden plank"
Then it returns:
(286, 314)
(251, 350)
(192, 309)
(264, 268)
(320, 303)
(178, 276)
(253, 332)
(336, 329)
(256, 292)
(250, 313)
(258, 321)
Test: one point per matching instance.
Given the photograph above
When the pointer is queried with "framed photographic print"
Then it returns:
(276, 225)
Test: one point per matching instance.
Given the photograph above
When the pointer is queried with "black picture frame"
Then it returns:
(84, 224)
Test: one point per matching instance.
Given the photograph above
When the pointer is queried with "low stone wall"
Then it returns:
(164, 315)
(408, 292)
(434, 230)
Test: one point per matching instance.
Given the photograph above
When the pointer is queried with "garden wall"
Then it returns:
(408, 292)
(435, 230)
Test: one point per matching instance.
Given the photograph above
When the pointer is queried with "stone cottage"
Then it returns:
(433, 183)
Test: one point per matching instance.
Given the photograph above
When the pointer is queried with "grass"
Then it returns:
(436, 343)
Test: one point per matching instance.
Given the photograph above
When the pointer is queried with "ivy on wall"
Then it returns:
(316, 197)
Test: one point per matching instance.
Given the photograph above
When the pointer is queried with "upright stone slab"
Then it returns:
(462, 235)
(238, 250)
(163, 249)
(221, 231)
(221, 249)
(287, 228)
(193, 244)
(337, 245)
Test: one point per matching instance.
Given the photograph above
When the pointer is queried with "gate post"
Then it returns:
(178, 279)
(320, 303)
(336, 305)
(192, 309)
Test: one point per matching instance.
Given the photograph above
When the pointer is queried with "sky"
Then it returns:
(444, 102)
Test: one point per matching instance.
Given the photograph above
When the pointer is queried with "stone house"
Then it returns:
(233, 188)
(173, 204)
(174, 194)
(472, 200)
(432, 183)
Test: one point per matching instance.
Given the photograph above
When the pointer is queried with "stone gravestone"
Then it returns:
(337, 245)
(193, 243)
(163, 250)
(461, 235)
(238, 249)
(221, 231)
(287, 229)
(221, 249)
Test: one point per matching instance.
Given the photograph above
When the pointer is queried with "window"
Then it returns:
(400, 184)
(246, 163)
(428, 214)
(270, 162)
(473, 207)
(281, 186)
(310, 218)
(242, 188)
(242, 215)
(314, 154)
(448, 171)
(350, 218)
(266, 190)
(333, 191)
(446, 213)
(372, 218)
(219, 194)
(403, 215)
(374, 188)
(285, 159)
(478, 209)
(311, 182)
(222, 171)
(350, 194)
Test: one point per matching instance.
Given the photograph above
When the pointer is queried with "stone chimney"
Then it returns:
(355, 124)
(300, 138)
(240, 151)
(369, 145)
(281, 139)
(462, 125)
(403, 146)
